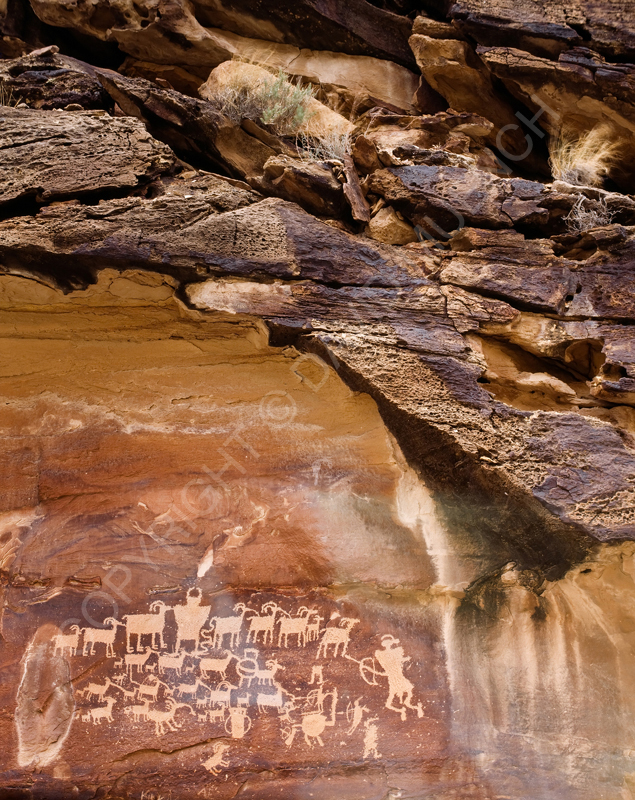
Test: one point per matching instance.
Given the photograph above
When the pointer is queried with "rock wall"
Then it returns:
(317, 464)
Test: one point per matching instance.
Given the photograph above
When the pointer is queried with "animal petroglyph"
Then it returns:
(136, 660)
(151, 689)
(250, 671)
(164, 719)
(266, 700)
(95, 691)
(151, 625)
(190, 618)
(138, 712)
(209, 666)
(93, 636)
(222, 694)
(171, 661)
(103, 712)
(296, 626)
(67, 642)
(336, 636)
(184, 690)
(264, 624)
(226, 626)
(217, 762)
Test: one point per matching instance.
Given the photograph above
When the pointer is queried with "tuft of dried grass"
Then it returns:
(327, 145)
(7, 98)
(587, 214)
(272, 100)
(584, 161)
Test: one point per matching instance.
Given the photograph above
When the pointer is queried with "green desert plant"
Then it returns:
(587, 214)
(271, 100)
(586, 160)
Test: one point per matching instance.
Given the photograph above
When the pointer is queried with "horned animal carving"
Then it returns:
(263, 623)
(226, 626)
(146, 625)
(93, 636)
(67, 641)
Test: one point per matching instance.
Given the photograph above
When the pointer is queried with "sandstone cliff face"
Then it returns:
(318, 459)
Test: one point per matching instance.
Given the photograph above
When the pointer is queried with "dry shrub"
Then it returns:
(326, 145)
(586, 160)
(7, 98)
(270, 100)
(587, 214)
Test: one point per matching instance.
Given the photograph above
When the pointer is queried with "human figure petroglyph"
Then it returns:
(371, 733)
(317, 674)
(238, 723)
(392, 660)
(172, 661)
(226, 626)
(295, 626)
(151, 624)
(264, 624)
(207, 665)
(190, 618)
(314, 722)
(355, 714)
(336, 636)
(67, 641)
(107, 636)
(217, 762)
(103, 712)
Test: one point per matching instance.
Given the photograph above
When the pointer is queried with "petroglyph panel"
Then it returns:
(268, 677)
(302, 676)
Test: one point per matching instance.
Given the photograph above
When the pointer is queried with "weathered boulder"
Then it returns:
(44, 79)
(88, 152)
(549, 30)
(456, 72)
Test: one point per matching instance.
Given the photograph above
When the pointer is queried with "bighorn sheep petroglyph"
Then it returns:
(67, 641)
(263, 623)
(146, 625)
(226, 626)
(93, 636)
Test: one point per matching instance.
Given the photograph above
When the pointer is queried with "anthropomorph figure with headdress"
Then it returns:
(392, 661)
